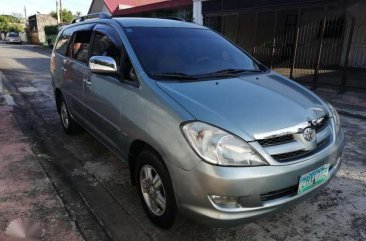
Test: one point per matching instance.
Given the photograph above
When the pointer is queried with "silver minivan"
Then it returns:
(13, 37)
(206, 129)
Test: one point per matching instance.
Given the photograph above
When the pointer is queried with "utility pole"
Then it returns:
(58, 11)
(25, 15)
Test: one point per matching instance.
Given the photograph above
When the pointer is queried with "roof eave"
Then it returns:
(152, 7)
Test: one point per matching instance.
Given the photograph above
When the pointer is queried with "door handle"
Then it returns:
(86, 79)
(87, 82)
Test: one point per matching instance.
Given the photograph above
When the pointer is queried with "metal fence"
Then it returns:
(318, 49)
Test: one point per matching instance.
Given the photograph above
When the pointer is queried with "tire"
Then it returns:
(70, 126)
(153, 198)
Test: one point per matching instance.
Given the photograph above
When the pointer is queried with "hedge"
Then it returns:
(51, 29)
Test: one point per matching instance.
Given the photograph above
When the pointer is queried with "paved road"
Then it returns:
(29, 194)
(95, 186)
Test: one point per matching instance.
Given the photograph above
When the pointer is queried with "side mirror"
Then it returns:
(102, 65)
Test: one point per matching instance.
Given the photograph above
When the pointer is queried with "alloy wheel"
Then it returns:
(153, 190)
(64, 115)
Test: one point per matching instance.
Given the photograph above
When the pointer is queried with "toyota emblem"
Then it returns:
(309, 134)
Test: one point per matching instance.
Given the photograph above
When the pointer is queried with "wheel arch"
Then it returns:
(58, 98)
(136, 147)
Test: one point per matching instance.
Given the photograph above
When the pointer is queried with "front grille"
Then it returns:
(290, 191)
(291, 156)
(289, 138)
(276, 140)
(285, 157)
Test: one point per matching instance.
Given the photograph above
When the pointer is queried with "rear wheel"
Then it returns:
(155, 189)
(70, 126)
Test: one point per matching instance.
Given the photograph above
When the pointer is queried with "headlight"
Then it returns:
(335, 115)
(219, 147)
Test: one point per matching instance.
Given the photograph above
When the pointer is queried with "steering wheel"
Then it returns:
(205, 58)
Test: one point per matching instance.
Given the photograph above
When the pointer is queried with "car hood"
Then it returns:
(247, 105)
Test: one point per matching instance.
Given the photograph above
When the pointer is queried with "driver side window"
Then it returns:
(103, 46)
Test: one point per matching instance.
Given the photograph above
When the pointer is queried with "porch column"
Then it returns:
(197, 12)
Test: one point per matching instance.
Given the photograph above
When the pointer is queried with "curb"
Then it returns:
(4, 95)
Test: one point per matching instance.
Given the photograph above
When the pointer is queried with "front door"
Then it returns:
(103, 92)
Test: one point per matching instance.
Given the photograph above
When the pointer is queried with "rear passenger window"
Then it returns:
(79, 49)
(63, 42)
(103, 46)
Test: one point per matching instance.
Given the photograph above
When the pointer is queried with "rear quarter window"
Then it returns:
(63, 41)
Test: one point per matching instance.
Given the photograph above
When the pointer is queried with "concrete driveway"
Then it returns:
(87, 173)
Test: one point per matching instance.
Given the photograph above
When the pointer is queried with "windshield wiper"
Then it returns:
(230, 72)
(220, 73)
(175, 75)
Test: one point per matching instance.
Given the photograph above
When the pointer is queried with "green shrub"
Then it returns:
(51, 29)
(10, 24)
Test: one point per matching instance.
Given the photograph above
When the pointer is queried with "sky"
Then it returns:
(42, 6)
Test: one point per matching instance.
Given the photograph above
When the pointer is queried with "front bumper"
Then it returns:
(251, 184)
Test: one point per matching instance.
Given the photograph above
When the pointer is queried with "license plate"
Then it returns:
(313, 179)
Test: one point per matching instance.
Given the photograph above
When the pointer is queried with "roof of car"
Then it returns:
(140, 22)
(143, 22)
(155, 22)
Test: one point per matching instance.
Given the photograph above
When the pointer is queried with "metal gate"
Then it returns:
(316, 47)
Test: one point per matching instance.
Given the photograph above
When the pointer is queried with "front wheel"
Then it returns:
(155, 189)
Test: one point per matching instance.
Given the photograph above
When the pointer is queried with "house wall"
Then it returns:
(42, 21)
(184, 13)
(36, 26)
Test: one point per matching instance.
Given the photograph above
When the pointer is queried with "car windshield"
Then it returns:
(187, 53)
(13, 35)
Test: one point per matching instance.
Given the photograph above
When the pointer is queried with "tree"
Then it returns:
(9, 19)
(16, 27)
(10, 24)
(78, 13)
(66, 15)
